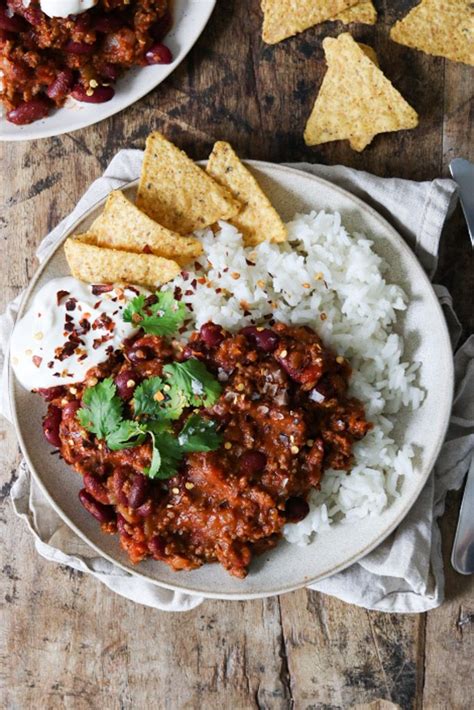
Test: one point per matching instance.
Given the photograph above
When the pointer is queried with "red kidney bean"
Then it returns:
(11, 24)
(82, 22)
(51, 424)
(97, 489)
(120, 476)
(32, 15)
(121, 526)
(145, 510)
(263, 338)
(72, 47)
(267, 340)
(157, 547)
(99, 95)
(102, 513)
(139, 353)
(126, 381)
(159, 54)
(61, 86)
(296, 509)
(70, 409)
(252, 462)
(139, 491)
(29, 111)
(211, 334)
(50, 393)
(194, 350)
(109, 71)
(108, 23)
(161, 28)
(250, 331)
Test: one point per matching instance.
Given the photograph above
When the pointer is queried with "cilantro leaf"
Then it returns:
(158, 427)
(155, 464)
(128, 434)
(167, 455)
(195, 381)
(164, 317)
(175, 402)
(146, 403)
(171, 454)
(133, 313)
(102, 412)
(199, 434)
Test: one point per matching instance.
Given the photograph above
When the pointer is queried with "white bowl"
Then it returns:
(286, 567)
(189, 19)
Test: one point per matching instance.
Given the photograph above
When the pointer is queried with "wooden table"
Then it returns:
(70, 643)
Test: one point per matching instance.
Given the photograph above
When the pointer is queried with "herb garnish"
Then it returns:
(103, 411)
(194, 380)
(157, 401)
(103, 417)
(163, 317)
(199, 434)
(144, 403)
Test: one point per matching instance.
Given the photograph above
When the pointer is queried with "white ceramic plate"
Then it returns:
(190, 18)
(286, 567)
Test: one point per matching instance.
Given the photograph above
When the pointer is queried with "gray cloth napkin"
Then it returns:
(404, 574)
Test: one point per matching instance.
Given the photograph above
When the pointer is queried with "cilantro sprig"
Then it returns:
(156, 404)
(157, 401)
(163, 317)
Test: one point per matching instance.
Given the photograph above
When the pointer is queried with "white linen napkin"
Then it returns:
(404, 574)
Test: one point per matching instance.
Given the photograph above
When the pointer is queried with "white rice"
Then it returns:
(333, 282)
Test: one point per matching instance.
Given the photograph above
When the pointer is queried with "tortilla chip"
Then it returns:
(177, 193)
(444, 28)
(355, 101)
(364, 13)
(94, 264)
(284, 18)
(258, 221)
(123, 226)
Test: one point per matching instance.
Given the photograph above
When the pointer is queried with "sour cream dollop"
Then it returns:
(64, 8)
(69, 328)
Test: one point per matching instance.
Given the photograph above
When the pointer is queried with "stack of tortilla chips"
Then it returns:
(149, 242)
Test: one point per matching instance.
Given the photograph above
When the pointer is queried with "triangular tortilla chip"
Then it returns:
(444, 28)
(123, 226)
(96, 265)
(284, 18)
(258, 221)
(364, 13)
(355, 101)
(177, 193)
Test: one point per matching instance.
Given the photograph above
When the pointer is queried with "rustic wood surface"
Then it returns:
(67, 642)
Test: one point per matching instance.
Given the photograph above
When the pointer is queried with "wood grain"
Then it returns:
(67, 642)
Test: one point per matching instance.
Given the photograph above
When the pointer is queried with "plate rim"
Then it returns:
(53, 133)
(231, 596)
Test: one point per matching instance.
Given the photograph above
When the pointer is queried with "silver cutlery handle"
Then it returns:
(463, 172)
(462, 557)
